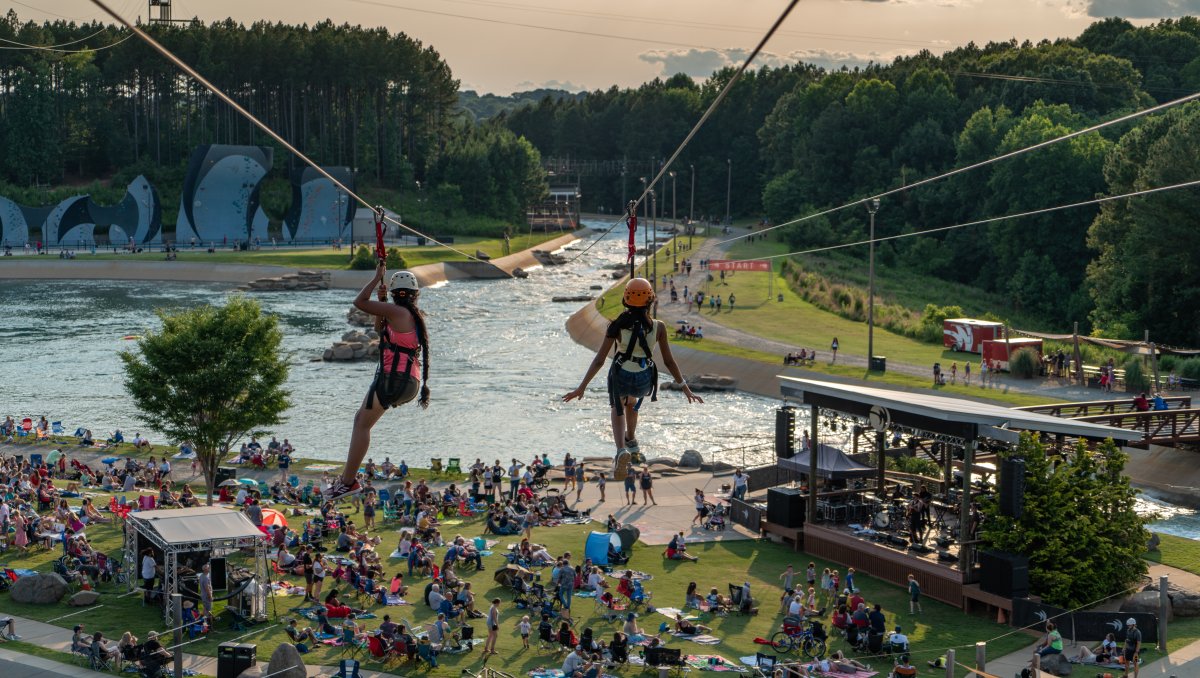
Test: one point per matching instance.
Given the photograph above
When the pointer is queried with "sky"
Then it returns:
(502, 46)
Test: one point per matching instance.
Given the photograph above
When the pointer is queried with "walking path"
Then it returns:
(672, 313)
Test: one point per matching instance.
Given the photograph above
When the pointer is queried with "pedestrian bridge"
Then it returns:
(1178, 424)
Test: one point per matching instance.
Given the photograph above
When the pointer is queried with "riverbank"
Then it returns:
(45, 268)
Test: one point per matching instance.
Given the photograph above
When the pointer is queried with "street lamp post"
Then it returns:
(645, 223)
(872, 207)
(692, 209)
(728, 189)
(674, 226)
(654, 245)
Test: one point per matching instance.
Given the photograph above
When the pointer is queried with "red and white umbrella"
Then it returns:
(271, 517)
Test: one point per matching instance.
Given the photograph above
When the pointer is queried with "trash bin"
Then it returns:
(877, 363)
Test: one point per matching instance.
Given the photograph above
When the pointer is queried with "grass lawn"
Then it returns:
(329, 258)
(1179, 552)
(793, 321)
(759, 562)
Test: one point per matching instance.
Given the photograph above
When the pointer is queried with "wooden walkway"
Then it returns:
(1177, 424)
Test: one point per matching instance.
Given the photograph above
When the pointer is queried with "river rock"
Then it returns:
(301, 280)
(357, 317)
(596, 287)
(343, 352)
(328, 355)
(577, 297)
(39, 589)
(520, 273)
(286, 662)
(1056, 664)
(691, 459)
(1145, 601)
(360, 352)
(482, 256)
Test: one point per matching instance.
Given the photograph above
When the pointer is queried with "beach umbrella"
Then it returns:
(109, 460)
(248, 481)
(227, 483)
(272, 517)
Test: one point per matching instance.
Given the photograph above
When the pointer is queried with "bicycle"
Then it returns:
(793, 637)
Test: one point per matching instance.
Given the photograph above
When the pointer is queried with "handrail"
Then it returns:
(1078, 410)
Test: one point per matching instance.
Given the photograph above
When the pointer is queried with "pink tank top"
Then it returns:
(390, 358)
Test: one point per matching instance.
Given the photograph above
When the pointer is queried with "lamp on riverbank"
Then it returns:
(872, 207)
(728, 189)
(692, 209)
(674, 225)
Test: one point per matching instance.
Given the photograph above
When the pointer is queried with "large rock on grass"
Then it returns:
(286, 663)
(691, 459)
(39, 589)
(1056, 665)
(252, 672)
(1145, 601)
(83, 599)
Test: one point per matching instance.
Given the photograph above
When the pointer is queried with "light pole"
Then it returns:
(728, 188)
(692, 209)
(872, 207)
(674, 226)
(654, 245)
(645, 222)
(623, 200)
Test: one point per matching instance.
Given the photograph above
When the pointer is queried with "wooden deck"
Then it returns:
(937, 581)
(1098, 407)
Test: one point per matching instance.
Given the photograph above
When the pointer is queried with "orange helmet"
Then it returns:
(638, 293)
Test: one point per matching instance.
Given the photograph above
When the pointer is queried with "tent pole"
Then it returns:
(812, 464)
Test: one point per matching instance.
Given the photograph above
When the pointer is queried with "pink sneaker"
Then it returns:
(339, 490)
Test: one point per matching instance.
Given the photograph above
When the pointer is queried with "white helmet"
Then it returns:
(403, 280)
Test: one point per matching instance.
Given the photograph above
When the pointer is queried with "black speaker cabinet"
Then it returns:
(234, 658)
(1012, 487)
(785, 506)
(224, 473)
(785, 433)
(1004, 574)
(220, 578)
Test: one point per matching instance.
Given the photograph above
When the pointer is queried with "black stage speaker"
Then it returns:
(785, 433)
(220, 579)
(224, 473)
(234, 658)
(1004, 574)
(1012, 487)
(785, 506)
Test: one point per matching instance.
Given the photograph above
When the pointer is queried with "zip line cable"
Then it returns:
(632, 207)
(64, 44)
(54, 48)
(980, 222)
(983, 163)
(270, 132)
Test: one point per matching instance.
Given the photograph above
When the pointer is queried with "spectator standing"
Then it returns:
(493, 628)
(833, 347)
(740, 484)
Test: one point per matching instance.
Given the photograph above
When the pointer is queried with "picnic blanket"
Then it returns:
(701, 638)
(395, 600)
(670, 612)
(1110, 665)
(585, 594)
(638, 576)
(321, 468)
(711, 662)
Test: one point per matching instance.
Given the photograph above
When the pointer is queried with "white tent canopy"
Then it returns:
(202, 523)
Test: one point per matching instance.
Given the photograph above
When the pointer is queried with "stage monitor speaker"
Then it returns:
(1004, 574)
(220, 574)
(224, 473)
(1012, 487)
(785, 433)
(785, 506)
(234, 658)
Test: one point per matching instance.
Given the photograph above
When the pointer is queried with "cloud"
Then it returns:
(1142, 9)
(701, 63)
(567, 85)
(1127, 9)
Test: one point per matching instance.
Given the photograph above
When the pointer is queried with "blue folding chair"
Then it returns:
(35, 460)
(385, 495)
(347, 668)
(56, 428)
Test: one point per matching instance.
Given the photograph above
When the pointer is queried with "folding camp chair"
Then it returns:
(347, 668)
(56, 428)
(452, 465)
(35, 460)
(435, 465)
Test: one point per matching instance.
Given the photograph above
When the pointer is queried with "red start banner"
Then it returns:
(729, 265)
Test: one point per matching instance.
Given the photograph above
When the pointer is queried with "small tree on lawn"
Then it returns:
(212, 375)
(1078, 528)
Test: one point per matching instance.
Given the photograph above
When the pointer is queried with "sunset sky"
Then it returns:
(502, 46)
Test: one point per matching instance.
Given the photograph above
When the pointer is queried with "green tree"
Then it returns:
(210, 376)
(1078, 517)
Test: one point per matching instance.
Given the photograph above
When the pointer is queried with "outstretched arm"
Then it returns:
(664, 345)
(597, 363)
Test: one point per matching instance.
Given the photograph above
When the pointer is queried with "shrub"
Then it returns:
(395, 260)
(1190, 368)
(920, 466)
(363, 260)
(1168, 363)
(1023, 363)
(1135, 376)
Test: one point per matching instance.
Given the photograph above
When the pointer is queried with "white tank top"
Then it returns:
(634, 364)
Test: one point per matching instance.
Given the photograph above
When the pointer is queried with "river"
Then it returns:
(501, 360)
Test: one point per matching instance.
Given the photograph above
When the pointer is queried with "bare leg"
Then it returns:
(360, 438)
(618, 431)
(631, 420)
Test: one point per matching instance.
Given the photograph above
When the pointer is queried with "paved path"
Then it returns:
(19, 665)
(715, 329)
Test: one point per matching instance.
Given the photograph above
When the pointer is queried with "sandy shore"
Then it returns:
(35, 268)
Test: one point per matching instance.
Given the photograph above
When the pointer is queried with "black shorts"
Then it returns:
(394, 390)
(1130, 653)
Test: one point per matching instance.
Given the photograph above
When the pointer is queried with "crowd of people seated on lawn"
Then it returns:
(804, 357)
(689, 332)
(148, 657)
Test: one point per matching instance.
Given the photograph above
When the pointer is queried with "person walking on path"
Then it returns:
(630, 490)
(646, 480)
(600, 483)
(579, 480)
(833, 347)
(740, 484)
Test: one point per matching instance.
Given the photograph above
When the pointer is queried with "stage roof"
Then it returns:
(202, 523)
(956, 414)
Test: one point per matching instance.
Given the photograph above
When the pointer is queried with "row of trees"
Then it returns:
(800, 140)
